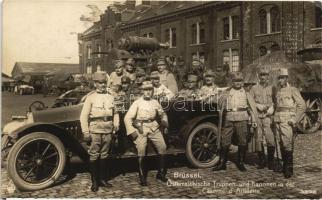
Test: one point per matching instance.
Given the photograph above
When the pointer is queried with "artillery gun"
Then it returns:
(303, 75)
(142, 50)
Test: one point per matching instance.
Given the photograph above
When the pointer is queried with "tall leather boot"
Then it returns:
(162, 171)
(270, 157)
(223, 159)
(261, 160)
(142, 174)
(288, 172)
(102, 174)
(94, 175)
(241, 158)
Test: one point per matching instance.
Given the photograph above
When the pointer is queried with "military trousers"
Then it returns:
(264, 133)
(285, 133)
(156, 138)
(99, 146)
(239, 128)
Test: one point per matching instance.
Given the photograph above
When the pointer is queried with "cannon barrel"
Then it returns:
(135, 43)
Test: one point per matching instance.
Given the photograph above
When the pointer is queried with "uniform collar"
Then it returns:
(101, 92)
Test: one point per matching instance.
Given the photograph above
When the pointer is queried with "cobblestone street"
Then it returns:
(306, 183)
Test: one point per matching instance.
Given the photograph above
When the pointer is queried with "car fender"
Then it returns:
(192, 123)
(69, 141)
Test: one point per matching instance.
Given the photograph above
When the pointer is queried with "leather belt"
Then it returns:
(284, 110)
(145, 120)
(104, 119)
(237, 109)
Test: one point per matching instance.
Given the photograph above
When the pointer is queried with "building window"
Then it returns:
(98, 68)
(226, 28)
(89, 51)
(231, 59)
(276, 20)
(235, 60)
(89, 69)
(262, 51)
(98, 50)
(262, 21)
(194, 34)
(171, 37)
(235, 27)
(201, 56)
(231, 27)
(198, 33)
(109, 45)
(202, 33)
(318, 15)
(148, 35)
(269, 20)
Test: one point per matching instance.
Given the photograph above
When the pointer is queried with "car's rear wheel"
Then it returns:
(36, 161)
(201, 147)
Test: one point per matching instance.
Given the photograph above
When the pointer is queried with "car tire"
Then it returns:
(35, 141)
(207, 144)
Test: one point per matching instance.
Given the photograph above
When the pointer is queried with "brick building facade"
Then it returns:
(232, 33)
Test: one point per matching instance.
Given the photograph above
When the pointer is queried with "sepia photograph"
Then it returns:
(147, 99)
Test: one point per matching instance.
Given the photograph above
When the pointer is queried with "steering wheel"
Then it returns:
(36, 106)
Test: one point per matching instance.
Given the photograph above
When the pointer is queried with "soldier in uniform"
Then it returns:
(141, 124)
(123, 102)
(166, 77)
(135, 89)
(189, 93)
(98, 121)
(239, 109)
(262, 94)
(210, 88)
(115, 77)
(289, 108)
(159, 90)
(130, 69)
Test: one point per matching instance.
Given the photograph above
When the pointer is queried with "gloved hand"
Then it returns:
(134, 135)
(291, 122)
(165, 131)
(261, 107)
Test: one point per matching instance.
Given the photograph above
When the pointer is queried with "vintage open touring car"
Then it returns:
(36, 147)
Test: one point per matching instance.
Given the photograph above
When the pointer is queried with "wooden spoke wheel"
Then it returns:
(311, 120)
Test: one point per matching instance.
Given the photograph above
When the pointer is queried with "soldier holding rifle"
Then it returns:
(289, 108)
(141, 123)
(262, 94)
(239, 109)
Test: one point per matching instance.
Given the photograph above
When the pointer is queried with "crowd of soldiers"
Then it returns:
(131, 92)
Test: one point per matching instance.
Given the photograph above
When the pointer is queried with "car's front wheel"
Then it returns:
(201, 147)
(36, 161)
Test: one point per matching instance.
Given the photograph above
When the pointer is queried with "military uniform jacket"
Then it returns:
(188, 94)
(262, 96)
(162, 91)
(232, 99)
(115, 79)
(142, 109)
(206, 91)
(97, 106)
(168, 80)
(289, 104)
(132, 76)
